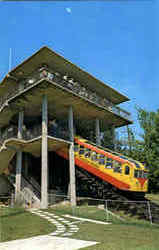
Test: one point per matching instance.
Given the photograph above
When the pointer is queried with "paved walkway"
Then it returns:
(46, 242)
(64, 228)
(88, 220)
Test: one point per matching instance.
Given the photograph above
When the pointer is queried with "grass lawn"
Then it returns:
(129, 235)
(153, 197)
(20, 224)
(132, 234)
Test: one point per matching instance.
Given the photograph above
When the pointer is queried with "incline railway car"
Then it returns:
(122, 172)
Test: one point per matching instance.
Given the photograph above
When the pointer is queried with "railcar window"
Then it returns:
(87, 153)
(109, 163)
(101, 156)
(136, 164)
(76, 147)
(123, 157)
(145, 175)
(140, 174)
(136, 173)
(127, 170)
(117, 167)
(94, 156)
(81, 151)
(145, 167)
(101, 159)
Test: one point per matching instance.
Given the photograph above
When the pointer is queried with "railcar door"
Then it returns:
(127, 173)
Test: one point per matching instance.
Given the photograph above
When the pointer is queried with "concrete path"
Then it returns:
(50, 242)
(84, 219)
(47, 242)
(63, 226)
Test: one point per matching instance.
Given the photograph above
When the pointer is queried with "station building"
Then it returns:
(44, 102)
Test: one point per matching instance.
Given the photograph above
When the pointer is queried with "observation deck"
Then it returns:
(65, 84)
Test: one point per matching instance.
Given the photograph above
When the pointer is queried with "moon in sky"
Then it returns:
(68, 10)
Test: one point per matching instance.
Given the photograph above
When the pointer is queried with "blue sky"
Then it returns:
(116, 41)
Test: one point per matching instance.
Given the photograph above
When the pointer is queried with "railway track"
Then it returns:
(89, 185)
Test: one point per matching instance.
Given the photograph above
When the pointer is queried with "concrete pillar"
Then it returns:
(0, 137)
(44, 155)
(72, 184)
(25, 165)
(98, 140)
(113, 137)
(70, 125)
(19, 156)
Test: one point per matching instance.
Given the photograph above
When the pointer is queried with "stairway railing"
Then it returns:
(26, 183)
(35, 183)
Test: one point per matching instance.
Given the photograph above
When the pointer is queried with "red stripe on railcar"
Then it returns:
(99, 173)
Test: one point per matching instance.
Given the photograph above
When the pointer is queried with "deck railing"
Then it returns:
(67, 83)
(31, 133)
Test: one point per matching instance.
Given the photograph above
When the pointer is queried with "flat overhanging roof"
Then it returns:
(59, 101)
(63, 66)
(34, 146)
(31, 146)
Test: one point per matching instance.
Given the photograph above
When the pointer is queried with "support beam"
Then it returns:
(72, 184)
(25, 165)
(72, 175)
(98, 140)
(70, 125)
(44, 154)
(19, 156)
(113, 137)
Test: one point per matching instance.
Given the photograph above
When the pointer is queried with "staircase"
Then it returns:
(30, 190)
(88, 185)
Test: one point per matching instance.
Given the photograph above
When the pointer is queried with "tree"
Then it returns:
(149, 122)
(146, 149)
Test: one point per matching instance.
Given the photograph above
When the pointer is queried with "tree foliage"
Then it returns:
(149, 122)
(147, 149)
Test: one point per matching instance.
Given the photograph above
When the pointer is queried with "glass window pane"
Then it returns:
(94, 156)
(87, 153)
(82, 150)
(117, 167)
(127, 170)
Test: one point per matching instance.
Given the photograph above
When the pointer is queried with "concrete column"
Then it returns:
(72, 184)
(98, 140)
(25, 165)
(0, 137)
(44, 154)
(113, 137)
(19, 156)
(70, 125)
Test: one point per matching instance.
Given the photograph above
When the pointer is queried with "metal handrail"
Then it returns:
(31, 133)
(67, 83)
(25, 183)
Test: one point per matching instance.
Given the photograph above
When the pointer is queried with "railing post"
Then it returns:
(149, 211)
(44, 154)
(106, 209)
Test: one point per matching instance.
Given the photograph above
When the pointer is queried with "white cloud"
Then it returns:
(68, 10)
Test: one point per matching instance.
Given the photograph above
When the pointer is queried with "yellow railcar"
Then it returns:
(122, 172)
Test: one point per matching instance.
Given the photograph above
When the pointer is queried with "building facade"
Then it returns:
(44, 102)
